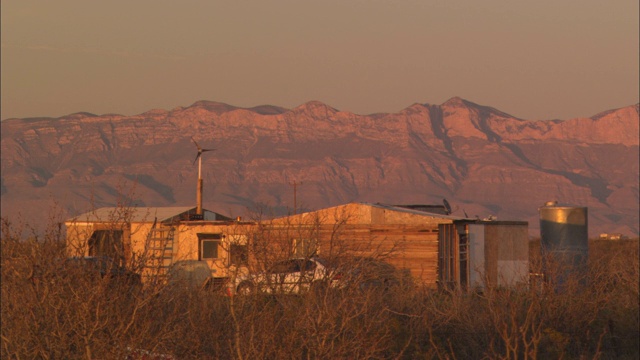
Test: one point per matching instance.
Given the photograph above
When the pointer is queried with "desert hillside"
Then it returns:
(483, 161)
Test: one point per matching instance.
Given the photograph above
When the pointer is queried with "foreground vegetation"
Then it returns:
(50, 315)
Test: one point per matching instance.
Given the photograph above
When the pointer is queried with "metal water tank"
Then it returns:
(564, 237)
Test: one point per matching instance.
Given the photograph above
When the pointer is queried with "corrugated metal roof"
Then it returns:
(142, 214)
(414, 211)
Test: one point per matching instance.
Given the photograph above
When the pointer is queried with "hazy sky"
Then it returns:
(539, 59)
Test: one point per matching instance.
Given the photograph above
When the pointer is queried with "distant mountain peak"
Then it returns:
(316, 108)
(456, 101)
(268, 109)
(316, 104)
(220, 108)
(78, 115)
(603, 114)
(415, 108)
(156, 111)
(213, 106)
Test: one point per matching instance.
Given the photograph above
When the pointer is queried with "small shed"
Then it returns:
(474, 254)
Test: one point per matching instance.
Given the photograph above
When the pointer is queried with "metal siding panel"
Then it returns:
(476, 256)
(491, 250)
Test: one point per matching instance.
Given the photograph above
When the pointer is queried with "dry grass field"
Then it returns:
(50, 312)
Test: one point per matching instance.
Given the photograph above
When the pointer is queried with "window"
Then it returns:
(209, 249)
(208, 245)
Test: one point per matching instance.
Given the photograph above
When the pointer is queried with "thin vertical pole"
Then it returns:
(295, 196)
(199, 191)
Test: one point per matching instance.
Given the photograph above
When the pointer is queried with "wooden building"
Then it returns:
(404, 236)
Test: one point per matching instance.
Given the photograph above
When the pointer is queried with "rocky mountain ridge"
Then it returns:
(482, 160)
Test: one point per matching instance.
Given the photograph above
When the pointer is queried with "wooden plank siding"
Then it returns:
(405, 238)
(409, 247)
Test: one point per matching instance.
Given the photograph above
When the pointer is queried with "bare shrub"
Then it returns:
(51, 311)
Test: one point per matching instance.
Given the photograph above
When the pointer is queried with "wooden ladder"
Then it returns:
(160, 250)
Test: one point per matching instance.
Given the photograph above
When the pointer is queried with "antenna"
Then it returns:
(295, 193)
(199, 190)
(447, 207)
